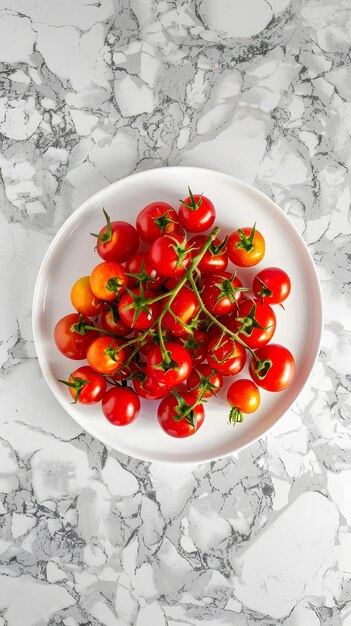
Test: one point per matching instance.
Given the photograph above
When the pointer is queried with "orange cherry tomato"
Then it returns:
(246, 247)
(108, 280)
(83, 299)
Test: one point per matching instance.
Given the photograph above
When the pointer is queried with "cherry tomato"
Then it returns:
(121, 406)
(104, 355)
(226, 355)
(140, 315)
(117, 241)
(196, 344)
(70, 343)
(275, 369)
(254, 322)
(156, 219)
(140, 266)
(184, 307)
(204, 377)
(108, 280)
(111, 321)
(168, 416)
(85, 385)
(149, 388)
(244, 397)
(169, 255)
(246, 247)
(271, 285)
(215, 258)
(127, 370)
(222, 293)
(173, 373)
(196, 213)
(83, 299)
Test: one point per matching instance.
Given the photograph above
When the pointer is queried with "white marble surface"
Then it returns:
(91, 92)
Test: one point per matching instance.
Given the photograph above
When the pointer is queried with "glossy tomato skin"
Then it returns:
(244, 395)
(93, 391)
(145, 319)
(123, 244)
(272, 285)
(179, 429)
(174, 375)
(240, 256)
(200, 219)
(99, 359)
(139, 263)
(108, 280)
(163, 257)
(114, 324)
(120, 406)
(194, 379)
(215, 300)
(184, 307)
(227, 358)
(281, 372)
(212, 261)
(155, 220)
(83, 299)
(264, 316)
(149, 388)
(72, 344)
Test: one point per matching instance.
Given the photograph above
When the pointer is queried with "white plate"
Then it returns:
(71, 255)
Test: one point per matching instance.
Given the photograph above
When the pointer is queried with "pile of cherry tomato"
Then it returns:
(168, 322)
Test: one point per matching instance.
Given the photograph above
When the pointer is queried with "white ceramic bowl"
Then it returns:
(71, 255)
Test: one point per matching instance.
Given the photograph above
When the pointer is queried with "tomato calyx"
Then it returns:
(235, 416)
(112, 352)
(142, 277)
(80, 326)
(262, 368)
(264, 291)
(249, 322)
(184, 411)
(162, 221)
(205, 384)
(167, 363)
(139, 304)
(228, 290)
(192, 205)
(180, 249)
(114, 284)
(220, 249)
(104, 237)
(246, 243)
(78, 385)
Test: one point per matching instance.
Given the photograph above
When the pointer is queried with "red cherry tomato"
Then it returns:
(104, 355)
(196, 344)
(173, 373)
(117, 241)
(155, 220)
(244, 397)
(85, 385)
(254, 322)
(226, 356)
(121, 406)
(271, 285)
(196, 213)
(221, 293)
(168, 416)
(140, 266)
(149, 388)
(275, 369)
(204, 377)
(83, 299)
(72, 344)
(111, 321)
(108, 280)
(215, 258)
(169, 256)
(139, 315)
(246, 247)
(184, 307)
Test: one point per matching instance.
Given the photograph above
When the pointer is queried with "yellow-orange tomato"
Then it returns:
(108, 280)
(246, 247)
(83, 299)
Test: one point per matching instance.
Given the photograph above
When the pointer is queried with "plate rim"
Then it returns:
(80, 209)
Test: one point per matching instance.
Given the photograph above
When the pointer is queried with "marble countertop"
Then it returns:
(89, 93)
